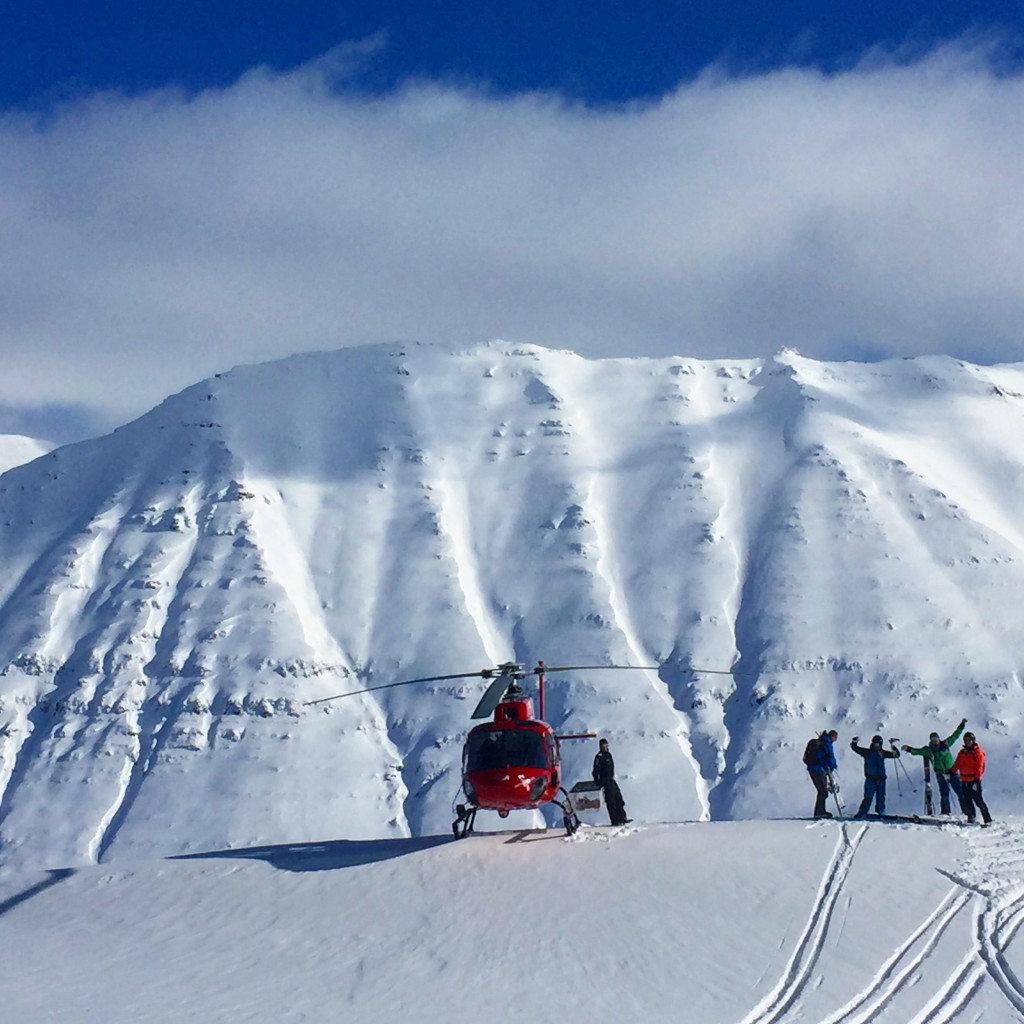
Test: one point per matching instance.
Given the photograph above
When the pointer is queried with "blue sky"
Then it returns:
(187, 186)
(599, 51)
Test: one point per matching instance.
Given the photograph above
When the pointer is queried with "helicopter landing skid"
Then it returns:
(569, 817)
(463, 823)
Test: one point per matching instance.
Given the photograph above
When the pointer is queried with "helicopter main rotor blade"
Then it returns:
(577, 668)
(649, 668)
(492, 697)
(484, 673)
(489, 701)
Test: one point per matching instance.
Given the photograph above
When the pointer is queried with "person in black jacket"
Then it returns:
(874, 773)
(604, 776)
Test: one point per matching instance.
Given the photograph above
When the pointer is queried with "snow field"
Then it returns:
(732, 922)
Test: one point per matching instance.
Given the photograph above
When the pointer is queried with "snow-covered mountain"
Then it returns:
(845, 538)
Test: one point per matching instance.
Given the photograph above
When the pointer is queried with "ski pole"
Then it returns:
(910, 781)
(899, 764)
(833, 785)
(895, 771)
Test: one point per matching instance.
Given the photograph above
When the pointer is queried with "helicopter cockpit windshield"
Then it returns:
(505, 748)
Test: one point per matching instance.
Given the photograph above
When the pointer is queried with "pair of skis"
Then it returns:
(833, 787)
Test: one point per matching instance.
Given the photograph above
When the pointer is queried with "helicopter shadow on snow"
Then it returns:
(326, 856)
(51, 878)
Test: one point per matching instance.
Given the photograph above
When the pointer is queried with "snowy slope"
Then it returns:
(721, 922)
(16, 449)
(845, 537)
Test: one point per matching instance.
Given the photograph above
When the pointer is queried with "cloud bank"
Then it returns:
(150, 241)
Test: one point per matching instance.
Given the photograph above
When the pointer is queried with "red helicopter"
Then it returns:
(512, 762)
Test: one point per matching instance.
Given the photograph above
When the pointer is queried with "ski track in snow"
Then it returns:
(900, 969)
(994, 872)
(798, 972)
(993, 880)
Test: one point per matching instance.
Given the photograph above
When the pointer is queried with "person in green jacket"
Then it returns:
(938, 754)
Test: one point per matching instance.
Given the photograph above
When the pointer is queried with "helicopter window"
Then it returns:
(552, 749)
(526, 748)
(505, 748)
(486, 751)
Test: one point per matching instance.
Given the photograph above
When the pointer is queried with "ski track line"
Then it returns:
(995, 856)
(951, 999)
(1013, 921)
(991, 921)
(999, 913)
(797, 974)
(886, 984)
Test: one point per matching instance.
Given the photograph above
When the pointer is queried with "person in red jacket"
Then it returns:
(970, 765)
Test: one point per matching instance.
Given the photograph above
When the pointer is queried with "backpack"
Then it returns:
(811, 750)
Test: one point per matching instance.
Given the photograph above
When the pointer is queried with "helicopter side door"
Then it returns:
(554, 759)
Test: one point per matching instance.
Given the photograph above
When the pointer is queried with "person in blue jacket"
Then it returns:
(874, 773)
(820, 758)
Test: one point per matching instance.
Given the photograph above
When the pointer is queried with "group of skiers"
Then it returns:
(960, 773)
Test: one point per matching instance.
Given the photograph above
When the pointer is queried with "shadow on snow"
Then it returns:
(329, 856)
(52, 878)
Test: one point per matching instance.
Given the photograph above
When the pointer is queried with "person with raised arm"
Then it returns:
(940, 757)
(875, 757)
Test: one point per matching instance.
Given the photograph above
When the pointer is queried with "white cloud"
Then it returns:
(151, 241)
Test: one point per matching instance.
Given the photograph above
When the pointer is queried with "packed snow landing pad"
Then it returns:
(745, 921)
